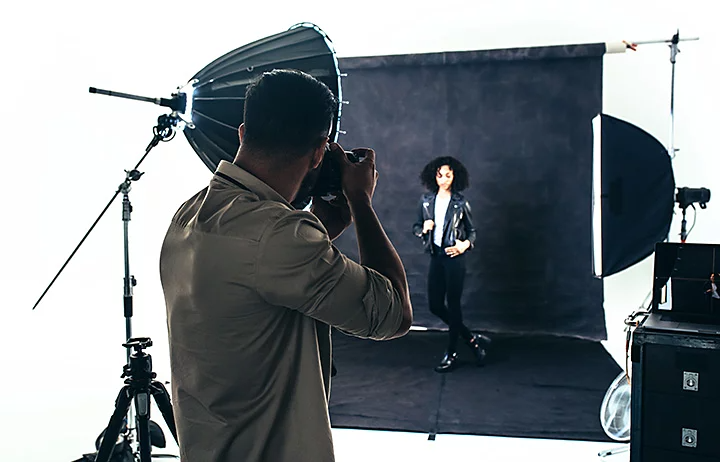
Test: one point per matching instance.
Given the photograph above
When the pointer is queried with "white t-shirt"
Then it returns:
(441, 206)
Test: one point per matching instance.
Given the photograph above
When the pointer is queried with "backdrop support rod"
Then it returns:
(648, 42)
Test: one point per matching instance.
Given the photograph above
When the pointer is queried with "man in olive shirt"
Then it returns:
(252, 286)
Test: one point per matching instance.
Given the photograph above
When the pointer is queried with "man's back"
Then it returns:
(251, 286)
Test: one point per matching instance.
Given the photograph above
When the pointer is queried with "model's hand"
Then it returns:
(334, 215)
(458, 249)
(428, 225)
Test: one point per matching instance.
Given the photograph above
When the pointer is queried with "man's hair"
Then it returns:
(287, 113)
(461, 178)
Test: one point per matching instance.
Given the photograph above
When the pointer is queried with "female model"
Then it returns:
(445, 225)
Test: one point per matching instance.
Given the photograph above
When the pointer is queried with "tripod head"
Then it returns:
(138, 344)
(139, 368)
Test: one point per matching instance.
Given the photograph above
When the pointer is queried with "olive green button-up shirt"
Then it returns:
(251, 287)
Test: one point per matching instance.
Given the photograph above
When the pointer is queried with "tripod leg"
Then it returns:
(122, 404)
(162, 398)
(142, 408)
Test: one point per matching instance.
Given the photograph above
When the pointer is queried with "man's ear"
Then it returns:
(319, 154)
(241, 132)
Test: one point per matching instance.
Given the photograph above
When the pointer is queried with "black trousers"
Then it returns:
(445, 282)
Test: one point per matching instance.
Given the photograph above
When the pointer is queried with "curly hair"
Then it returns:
(461, 178)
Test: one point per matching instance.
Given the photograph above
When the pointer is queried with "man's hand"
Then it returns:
(458, 249)
(358, 178)
(334, 215)
(428, 225)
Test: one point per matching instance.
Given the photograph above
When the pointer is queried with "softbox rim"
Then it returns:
(217, 93)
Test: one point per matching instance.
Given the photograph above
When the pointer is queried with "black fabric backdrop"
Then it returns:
(520, 120)
(536, 387)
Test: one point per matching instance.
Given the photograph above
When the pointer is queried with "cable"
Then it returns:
(694, 220)
(631, 322)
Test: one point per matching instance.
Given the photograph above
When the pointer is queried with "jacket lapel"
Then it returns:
(429, 210)
(448, 215)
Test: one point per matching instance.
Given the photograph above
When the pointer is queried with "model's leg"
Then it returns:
(455, 281)
(449, 361)
(436, 289)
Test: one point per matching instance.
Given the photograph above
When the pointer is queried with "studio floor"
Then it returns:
(380, 446)
(385, 446)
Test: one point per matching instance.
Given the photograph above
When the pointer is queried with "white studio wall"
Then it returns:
(65, 151)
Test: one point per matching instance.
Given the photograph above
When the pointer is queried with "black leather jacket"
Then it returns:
(458, 221)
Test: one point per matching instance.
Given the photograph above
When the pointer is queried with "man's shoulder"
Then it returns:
(294, 227)
(264, 219)
(241, 216)
(189, 208)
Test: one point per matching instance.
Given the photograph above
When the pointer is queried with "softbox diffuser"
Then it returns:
(633, 194)
(219, 89)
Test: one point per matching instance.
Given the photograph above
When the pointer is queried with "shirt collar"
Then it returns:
(251, 182)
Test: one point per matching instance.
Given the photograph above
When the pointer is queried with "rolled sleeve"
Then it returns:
(299, 268)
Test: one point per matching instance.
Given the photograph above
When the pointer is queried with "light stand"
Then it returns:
(674, 50)
(163, 131)
(129, 280)
(683, 225)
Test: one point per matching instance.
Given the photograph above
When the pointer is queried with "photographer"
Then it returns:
(252, 286)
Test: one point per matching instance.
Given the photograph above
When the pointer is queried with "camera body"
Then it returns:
(326, 181)
(329, 182)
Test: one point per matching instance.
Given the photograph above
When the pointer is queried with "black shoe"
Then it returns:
(480, 354)
(482, 340)
(476, 345)
(448, 363)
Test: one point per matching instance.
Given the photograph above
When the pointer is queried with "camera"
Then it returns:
(329, 181)
(325, 181)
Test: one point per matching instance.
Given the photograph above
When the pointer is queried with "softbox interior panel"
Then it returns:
(636, 196)
(520, 120)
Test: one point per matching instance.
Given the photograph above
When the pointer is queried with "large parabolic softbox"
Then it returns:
(633, 194)
(219, 89)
